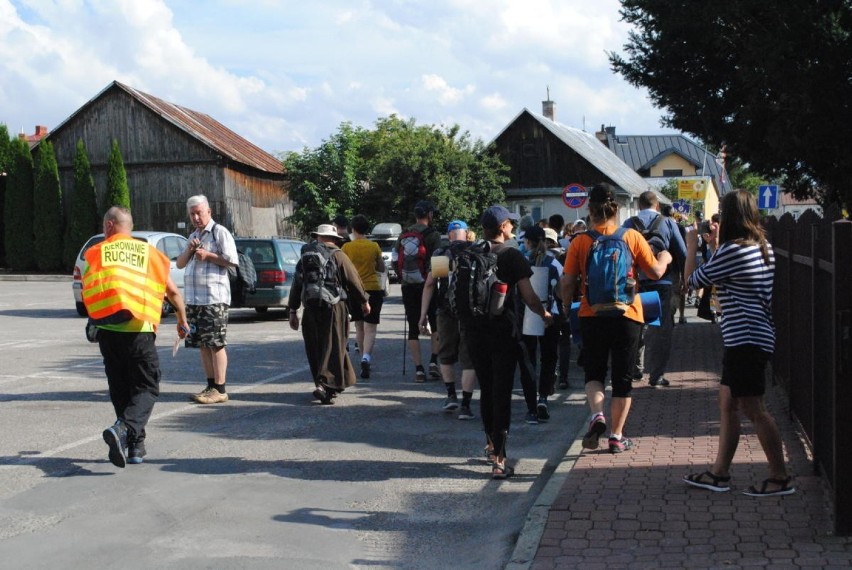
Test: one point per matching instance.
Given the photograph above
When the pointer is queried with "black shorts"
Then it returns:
(614, 339)
(744, 370)
(376, 299)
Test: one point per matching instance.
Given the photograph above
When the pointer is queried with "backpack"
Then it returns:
(652, 233)
(243, 276)
(610, 286)
(320, 284)
(472, 278)
(411, 257)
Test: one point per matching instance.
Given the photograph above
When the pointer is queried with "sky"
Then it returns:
(285, 74)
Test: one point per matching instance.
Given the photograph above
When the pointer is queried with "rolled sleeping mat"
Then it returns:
(440, 266)
(651, 311)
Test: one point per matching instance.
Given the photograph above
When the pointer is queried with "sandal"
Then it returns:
(501, 470)
(785, 488)
(490, 456)
(708, 481)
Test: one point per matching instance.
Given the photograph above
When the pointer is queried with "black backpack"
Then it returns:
(320, 282)
(472, 277)
(652, 233)
(243, 276)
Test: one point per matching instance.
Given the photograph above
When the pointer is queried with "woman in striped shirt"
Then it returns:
(742, 269)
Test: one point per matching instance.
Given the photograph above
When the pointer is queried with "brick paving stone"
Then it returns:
(632, 510)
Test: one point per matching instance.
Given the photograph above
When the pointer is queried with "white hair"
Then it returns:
(196, 200)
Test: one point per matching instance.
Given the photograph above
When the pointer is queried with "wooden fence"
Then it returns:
(812, 305)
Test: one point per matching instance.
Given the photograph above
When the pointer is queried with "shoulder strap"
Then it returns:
(619, 233)
(637, 223)
(655, 225)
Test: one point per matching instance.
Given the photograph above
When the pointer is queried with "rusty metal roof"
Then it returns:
(209, 131)
(201, 127)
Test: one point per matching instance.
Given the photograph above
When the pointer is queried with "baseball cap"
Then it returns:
(551, 235)
(496, 215)
(535, 233)
(456, 225)
(423, 208)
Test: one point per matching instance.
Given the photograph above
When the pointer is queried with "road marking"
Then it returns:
(32, 459)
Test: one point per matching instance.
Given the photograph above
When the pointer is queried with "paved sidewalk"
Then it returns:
(633, 511)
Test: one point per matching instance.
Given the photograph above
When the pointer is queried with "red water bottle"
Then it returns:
(498, 298)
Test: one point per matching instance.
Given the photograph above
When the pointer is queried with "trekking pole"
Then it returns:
(404, 340)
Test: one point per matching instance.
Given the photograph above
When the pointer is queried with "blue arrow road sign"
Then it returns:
(767, 197)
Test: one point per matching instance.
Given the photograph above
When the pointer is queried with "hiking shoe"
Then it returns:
(210, 396)
(659, 383)
(365, 369)
(531, 418)
(541, 409)
(465, 413)
(597, 427)
(420, 375)
(434, 371)
(115, 437)
(451, 403)
(619, 445)
(136, 452)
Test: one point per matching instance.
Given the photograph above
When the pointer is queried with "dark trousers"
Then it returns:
(494, 351)
(547, 370)
(564, 349)
(133, 374)
(658, 340)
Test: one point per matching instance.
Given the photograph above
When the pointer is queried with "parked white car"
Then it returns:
(170, 244)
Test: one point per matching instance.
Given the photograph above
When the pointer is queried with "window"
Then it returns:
(672, 173)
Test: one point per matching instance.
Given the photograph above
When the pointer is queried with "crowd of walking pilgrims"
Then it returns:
(520, 297)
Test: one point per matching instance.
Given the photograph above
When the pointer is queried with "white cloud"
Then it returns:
(285, 73)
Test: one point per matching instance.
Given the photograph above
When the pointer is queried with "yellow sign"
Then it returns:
(128, 253)
(692, 189)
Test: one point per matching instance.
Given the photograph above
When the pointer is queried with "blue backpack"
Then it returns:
(610, 285)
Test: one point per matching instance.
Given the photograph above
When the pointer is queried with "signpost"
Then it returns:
(767, 197)
(692, 189)
(574, 195)
(681, 207)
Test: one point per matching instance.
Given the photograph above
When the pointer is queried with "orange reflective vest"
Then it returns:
(126, 278)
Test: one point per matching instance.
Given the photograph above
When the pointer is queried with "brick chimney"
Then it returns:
(40, 133)
(604, 134)
(548, 108)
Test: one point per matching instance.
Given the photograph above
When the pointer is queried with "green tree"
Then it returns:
(769, 79)
(382, 174)
(19, 207)
(47, 210)
(84, 221)
(118, 192)
(5, 165)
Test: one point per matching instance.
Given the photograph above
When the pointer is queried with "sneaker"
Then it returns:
(323, 396)
(451, 403)
(541, 409)
(210, 396)
(136, 452)
(115, 437)
(434, 371)
(636, 376)
(532, 418)
(465, 413)
(419, 376)
(659, 383)
(597, 427)
(365, 369)
(619, 445)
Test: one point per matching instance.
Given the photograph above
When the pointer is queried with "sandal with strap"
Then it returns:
(784, 488)
(501, 470)
(708, 481)
(490, 456)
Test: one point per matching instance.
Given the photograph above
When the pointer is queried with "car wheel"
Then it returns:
(81, 310)
(261, 310)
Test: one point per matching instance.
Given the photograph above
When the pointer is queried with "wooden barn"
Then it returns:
(170, 153)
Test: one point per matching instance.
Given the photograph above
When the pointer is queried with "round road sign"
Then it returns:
(574, 195)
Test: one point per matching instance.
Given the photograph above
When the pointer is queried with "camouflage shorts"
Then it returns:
(208, 326)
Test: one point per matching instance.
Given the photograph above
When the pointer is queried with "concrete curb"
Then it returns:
(24, 277)
(527, 544)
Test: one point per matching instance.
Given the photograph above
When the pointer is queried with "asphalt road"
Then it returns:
(271, 479)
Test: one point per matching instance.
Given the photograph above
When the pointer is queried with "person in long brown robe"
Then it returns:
(325, 329)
